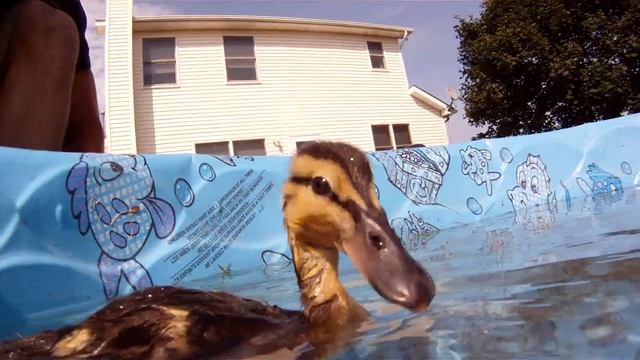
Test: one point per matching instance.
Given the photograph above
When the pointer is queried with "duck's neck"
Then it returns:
(324, 298)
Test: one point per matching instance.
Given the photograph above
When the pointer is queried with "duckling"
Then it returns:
(329, 206)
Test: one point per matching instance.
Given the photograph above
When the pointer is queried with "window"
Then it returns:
(249, 147)
(240, 58)
(382, 136)
(300, 144)
(237, 147)
(159, 61)
(401, 135)
(214, 148)
(376, 54)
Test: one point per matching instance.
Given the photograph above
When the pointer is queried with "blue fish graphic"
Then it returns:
(475, 164)
(114, 197)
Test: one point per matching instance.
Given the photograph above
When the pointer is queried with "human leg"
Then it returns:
(37, 78)
(84, 131)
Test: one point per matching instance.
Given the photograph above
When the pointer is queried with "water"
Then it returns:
(567, 290)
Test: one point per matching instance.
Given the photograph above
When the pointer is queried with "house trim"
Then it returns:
(254, 23)
(429, 100)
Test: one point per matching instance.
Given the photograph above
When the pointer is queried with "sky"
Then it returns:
(430, 54)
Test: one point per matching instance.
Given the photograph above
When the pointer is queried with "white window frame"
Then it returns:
(293, 148)
(176, 63)
(392, 135)
(264, 145)
(210, 142)
(384, 56)
(255, 59)
(230, 147)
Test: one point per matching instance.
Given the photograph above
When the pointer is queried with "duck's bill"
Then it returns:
(378, 254)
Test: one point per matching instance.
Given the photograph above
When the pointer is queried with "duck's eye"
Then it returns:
(320, 185)
(376, 241)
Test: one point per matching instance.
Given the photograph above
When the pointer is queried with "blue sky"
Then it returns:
(431, 54)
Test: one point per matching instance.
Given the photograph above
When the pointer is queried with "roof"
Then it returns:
(241, 22)
(430, 100)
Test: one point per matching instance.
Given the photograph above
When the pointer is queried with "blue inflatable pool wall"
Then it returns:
(77, 228)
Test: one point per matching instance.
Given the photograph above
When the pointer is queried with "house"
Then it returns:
(247, 85)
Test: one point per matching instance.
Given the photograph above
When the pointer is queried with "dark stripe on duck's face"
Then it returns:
(352, 161)
(349, 205)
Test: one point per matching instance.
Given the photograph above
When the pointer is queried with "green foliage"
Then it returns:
(530, 66)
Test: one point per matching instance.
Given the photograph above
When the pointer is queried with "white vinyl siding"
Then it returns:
(309, 83)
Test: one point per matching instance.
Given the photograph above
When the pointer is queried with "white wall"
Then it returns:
(309, 84)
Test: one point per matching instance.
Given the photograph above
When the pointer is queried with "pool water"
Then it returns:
(570, 290)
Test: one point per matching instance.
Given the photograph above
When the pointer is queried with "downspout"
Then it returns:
(404, 38)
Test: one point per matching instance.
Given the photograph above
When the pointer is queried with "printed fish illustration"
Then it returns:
(532, 199)
(113, 196)
(475, 164)
(413, 230)
(602, 182)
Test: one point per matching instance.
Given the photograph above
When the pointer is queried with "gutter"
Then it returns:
(404, 38)
(259, 23)
(441, 106)
(263, 23)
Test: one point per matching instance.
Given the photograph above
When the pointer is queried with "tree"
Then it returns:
(530, 66)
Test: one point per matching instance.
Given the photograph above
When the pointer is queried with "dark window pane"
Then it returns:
(214, 148)
(239, 74)
(401, 134)
(381, 138)
(159, 79)
(158, 49)
(159, 73)
(249, 147)
(377, 62)
(159, 61)
(375, 48)
(241, 63)
(238, 46)
(160, 68)
(300, 144)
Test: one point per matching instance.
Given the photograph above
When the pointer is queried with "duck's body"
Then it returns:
(171, 323)
(329, 206)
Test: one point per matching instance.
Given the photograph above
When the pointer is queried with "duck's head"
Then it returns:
(330, 204)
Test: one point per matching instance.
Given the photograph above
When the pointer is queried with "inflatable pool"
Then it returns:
(77, 230)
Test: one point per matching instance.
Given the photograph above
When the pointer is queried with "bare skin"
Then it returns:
(84, 131)
(44, 103)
